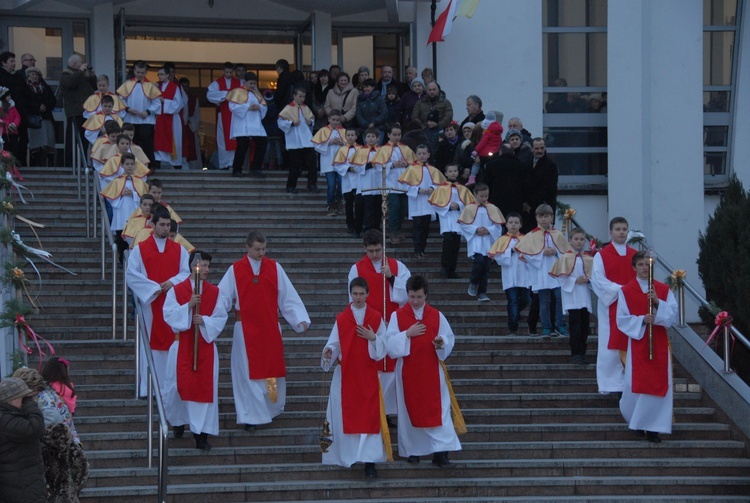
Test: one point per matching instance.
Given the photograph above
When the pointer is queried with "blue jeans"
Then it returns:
(518, 299)
(333, 187)
(544, 308)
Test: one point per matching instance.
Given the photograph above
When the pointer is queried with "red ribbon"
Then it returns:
(23, 327)
(722, 320)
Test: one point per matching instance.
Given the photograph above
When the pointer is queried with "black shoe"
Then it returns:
(441, 459)
(579, 360)
(250, 427)
(292, 190)
(640, 433)
(452, 275)
(653, 437)
(370, 471)
(201, 441)
(412, 460)
(178, 431)
(444, 273)
(312, 188)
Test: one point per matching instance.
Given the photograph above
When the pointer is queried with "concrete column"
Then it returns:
(655, 86)
(103, 37)
(321, 56)
(740, 144)
(497, 55)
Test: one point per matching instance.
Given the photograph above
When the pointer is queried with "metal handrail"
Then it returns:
(141, 338)
(698, 297)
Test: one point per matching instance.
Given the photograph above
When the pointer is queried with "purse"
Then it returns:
(34, 122)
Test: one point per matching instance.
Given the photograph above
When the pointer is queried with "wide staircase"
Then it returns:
(537, 428)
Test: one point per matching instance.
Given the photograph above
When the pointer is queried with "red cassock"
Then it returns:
(420, 371)
(650, 377)
(164, 129)
(360, 386)
(226, 114)
(366, 270)
(198, 385)
(160, 267)
(259, 308)
(618, 269)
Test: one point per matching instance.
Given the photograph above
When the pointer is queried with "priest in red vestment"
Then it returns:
(168, 131)
(420, 336)
(154, 267)
(257, 288)
(192, 394)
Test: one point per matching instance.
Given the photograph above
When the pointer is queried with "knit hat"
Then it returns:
(513, 132)
(469, 125)
(33, 69)
(416, 79)
(433, 116)
(3, 92)
(12, 388)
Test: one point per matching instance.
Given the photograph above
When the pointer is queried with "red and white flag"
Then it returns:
(443, 23)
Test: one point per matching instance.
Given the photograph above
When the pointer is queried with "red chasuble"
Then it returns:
(164, 130)
(198, 385)
(650, 377)
(420, 372)
(226, 114)
(360, 386)
(259, 308)
(366, 270)
(160, 267)
(618, 270)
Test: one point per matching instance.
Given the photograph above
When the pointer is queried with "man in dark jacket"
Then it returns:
(474, 109)
(371, 109)
(505, 176)
(21, 426)
(284, 83)
(387, 79)
(77, 82)
(541, 184)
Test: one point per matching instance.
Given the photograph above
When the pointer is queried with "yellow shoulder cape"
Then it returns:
(172, 213)
(139, 154)
(533, 242)
(113, 164)
(470, 214)
(386, 152)
(135, 223)
(362, 155)
(414, 173)
(180, 240)
(115, 188)
(141, 236)
(101, 149)
(238, 95)
(566, 262)
(324, 134)
(499, 246)
(151, 91)
(290, 112)
(96, 121)
(442, 195)
(343, 154)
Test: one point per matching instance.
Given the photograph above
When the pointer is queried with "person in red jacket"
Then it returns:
(489, 145)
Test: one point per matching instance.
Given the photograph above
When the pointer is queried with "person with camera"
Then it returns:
(77, 82)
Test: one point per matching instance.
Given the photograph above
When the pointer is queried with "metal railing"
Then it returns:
(154, 390)
(681, 288)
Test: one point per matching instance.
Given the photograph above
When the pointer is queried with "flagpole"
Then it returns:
(433, 8)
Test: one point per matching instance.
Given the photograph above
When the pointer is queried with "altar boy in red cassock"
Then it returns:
(354, 411)
(154, 267)
(371, 269)
(192, 396)
(217, 94)
(168, 131)
(258, 289)
(420, 336)
(647, 398)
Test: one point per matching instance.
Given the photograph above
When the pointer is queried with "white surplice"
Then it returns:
(173, 107)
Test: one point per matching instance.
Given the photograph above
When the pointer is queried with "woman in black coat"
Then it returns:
(21, 426)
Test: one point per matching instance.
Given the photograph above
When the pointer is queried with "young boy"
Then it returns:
(139, 219)
(394, 157)
(421, 180)
(327, 142)
(421, 338)
(432, 132)
(374, 269)
(168, 127)
(192, 396)
(370, 178)
(156, 189)
(541, 248)
(105, 146)
(481, 224)
(449, 200)
(515, 274)
(647, 398)
(129, 130)
(392, 103)
(94, 125)
(612, 269)
(112, 168)
(350, 175)
(248, 108)
(296, 121)
(357, 340)
(573, 271)
(124, 193)
(93, 103)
